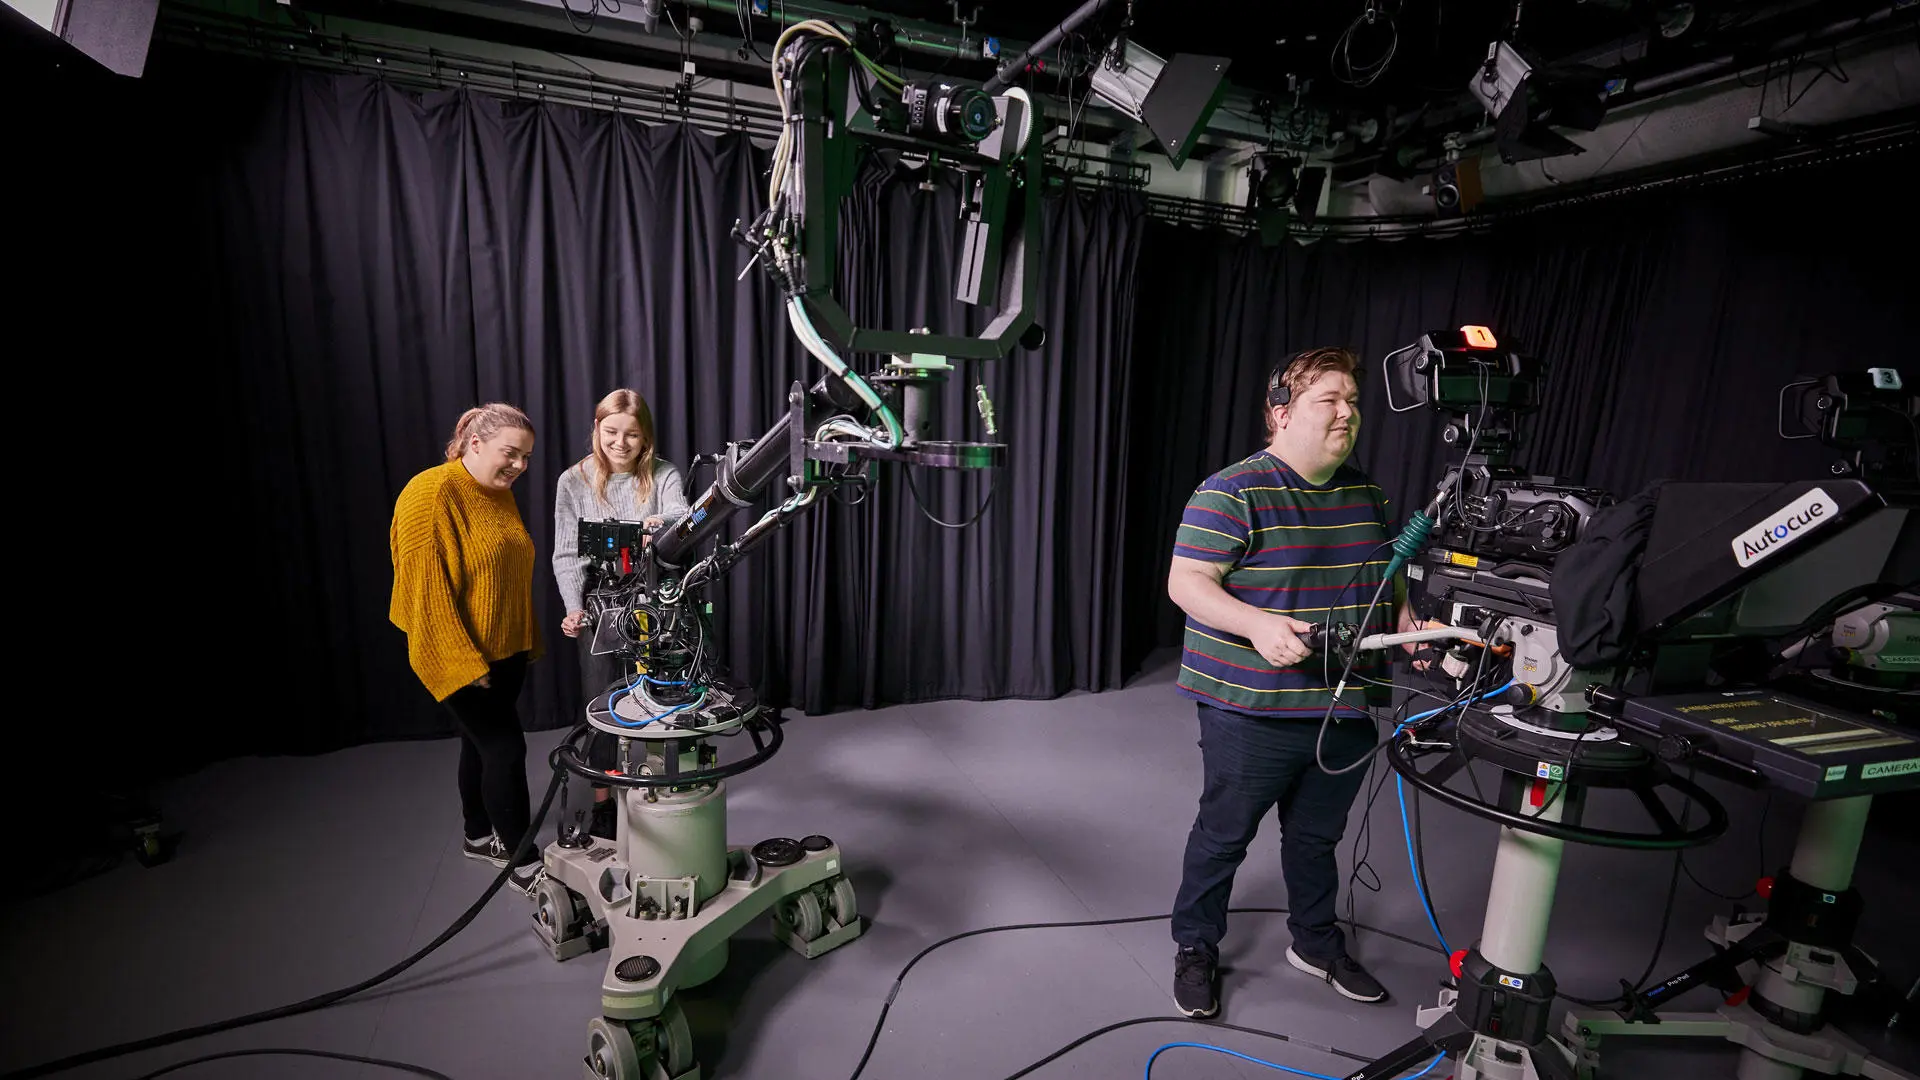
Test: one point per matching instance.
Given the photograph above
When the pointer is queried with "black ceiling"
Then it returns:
(1407, 67)
(1430, 48)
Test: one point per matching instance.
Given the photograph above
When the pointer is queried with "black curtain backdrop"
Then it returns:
(255, 300)
(373, 260)
(1668, 322)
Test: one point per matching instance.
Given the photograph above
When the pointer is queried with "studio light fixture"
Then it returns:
(1173, 98)
(1526, 97)
(1282, 188)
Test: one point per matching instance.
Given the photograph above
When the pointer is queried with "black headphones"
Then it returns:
(1278, 392)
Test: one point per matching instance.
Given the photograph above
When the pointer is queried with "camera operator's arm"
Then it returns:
(571, 501)
(1195, 585)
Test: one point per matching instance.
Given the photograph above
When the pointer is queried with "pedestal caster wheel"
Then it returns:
(558, 910)
(801, 915)
(673, 1041)
(656, 1049)
(611, 1053)
(843, 904)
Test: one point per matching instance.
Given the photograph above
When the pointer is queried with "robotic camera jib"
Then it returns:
(666, 893)
(1604, 647)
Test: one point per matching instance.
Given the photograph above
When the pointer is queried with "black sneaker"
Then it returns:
(487, 849)
(1194, 975)
(1344, 975)
(527, 879)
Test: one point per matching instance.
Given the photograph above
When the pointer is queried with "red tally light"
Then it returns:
(1479, 337)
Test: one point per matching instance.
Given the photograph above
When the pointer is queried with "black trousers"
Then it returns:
(493, 756)
(1252, 765)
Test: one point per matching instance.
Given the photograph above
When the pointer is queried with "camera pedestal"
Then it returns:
(1801, 950)
(667, 894)
(1496, 1019)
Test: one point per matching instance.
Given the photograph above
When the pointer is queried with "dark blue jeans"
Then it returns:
(1253, 764)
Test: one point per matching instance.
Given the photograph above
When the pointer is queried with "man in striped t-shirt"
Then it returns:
(1269, 546)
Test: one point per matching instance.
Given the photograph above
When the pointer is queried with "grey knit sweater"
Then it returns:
(574, 501)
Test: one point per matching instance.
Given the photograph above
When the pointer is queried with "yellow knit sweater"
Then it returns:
(462, 578)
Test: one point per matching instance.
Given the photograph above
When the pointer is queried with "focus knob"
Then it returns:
(1677, 747)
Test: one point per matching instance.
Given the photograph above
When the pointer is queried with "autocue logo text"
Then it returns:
(1796, 519)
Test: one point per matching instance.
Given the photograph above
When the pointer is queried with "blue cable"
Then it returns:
(627, 689)
(1406, 831)
(615, 717)
(1283, 1068)
(1413, 864)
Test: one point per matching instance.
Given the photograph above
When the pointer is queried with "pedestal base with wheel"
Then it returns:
(1495, 1021)
(1777, 970)
(667, 893)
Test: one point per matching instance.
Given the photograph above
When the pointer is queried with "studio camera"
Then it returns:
(1869, 413)
(1608, 646)
(1495, 529)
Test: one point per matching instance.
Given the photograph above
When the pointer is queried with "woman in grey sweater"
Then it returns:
(621, 480)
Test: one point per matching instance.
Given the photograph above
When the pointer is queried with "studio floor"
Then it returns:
(300, 875)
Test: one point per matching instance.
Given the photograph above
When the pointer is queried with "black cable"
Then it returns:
(1424, 884)
(1710, 890)
(1092, 1035)
(992, 486)
(1326, 666)
(573, 17)
(1666, 919)
(880, 1022)
(1666, 922)
(746, 32)
(400, 1066)
(323, 1000)
(1363, 837)
(1911, 423)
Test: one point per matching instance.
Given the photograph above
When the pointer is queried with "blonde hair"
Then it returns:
(622, 403)
(485, 421)
(1305, 367)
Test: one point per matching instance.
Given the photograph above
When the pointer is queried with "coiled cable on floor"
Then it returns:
(397, 1066)
(1148, 1075)
(1110, 1028)
(879, 1024)
(333, 996)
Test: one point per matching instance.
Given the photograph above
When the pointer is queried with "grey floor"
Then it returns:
(300, 875)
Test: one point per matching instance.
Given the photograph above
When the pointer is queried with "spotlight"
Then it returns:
(1273, 185)
(1272, 179)
(1525, 97)
(1173, 98)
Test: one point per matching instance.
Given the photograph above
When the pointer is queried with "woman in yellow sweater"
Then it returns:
(463, 594)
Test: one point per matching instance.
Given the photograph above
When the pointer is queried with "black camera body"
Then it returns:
(1500, 528)
(1871, 413)
(1495, 546)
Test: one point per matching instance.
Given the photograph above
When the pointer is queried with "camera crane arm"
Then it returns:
(838, 103)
